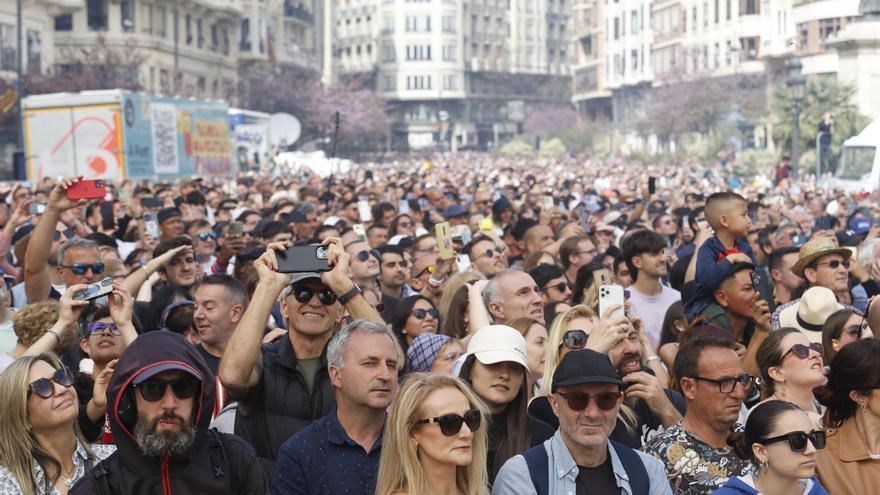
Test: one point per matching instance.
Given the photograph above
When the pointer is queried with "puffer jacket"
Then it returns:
(215, 462)
(745, 486)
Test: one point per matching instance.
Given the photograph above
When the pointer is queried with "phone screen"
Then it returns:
(652, 185)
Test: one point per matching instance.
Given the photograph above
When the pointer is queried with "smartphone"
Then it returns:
(548, 203)
(296, 217)
(652, 185)
(444, 241)
(36, 208)
(611, 295)
(463, 262)
(403, 207)
(87, 189)
(151, 202)
(95, 290)
(236, 229)
(359, 229)
(584, 218)
(151, 225)
(364, 211)
(685, 222)
(108, 217)
(298, 259)
(487, 225)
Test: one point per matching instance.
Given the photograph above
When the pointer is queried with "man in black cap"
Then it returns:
(586, 396)
(170, 223)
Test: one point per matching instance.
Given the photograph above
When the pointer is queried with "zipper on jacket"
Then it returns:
(166, 476)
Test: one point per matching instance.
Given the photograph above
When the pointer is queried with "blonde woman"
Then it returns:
(42, 451)
(435, 440)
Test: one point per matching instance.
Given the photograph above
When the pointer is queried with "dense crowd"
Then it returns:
(452, 324)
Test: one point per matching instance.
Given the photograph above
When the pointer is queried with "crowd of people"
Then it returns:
(449, 327)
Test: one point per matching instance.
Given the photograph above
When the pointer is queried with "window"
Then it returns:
(634, 59)
(450, 53)
(7, 47)
(388, 52)
(148, 17)
(418, 82)
(188, 29)
(34, 51)
(450, 82)
(717, 55)
(717, 11)
(616, 28)
(215, 39)
(162, 25)
(388, 83)
(705, 14)
(164, 81)
(245, 43)
(749, 7)
(418, 24)
(388, 24)
(448, 24)
(199, 38)
(96, 13)
(126, 9)
(634, 22)
(728, 9)
(418, 52)
(749, 47)
(64, 22)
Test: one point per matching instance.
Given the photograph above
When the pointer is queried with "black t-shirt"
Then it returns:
(212, 360)
(597, 480)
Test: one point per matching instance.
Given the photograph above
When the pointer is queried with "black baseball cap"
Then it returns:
(584, 366)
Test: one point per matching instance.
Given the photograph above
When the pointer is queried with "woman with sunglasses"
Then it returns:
(781, 443)
(850, 462)
(790, 367)
(415, 315)
(535, 334)
(402, 225)
(42, 451)
(841, 328)
(435, 439)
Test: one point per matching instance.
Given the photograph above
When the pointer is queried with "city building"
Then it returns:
(37, 34)
(589, 94)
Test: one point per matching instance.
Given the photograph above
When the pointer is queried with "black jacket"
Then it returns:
(130, 472)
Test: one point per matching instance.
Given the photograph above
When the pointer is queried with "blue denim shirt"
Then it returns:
(514, 479)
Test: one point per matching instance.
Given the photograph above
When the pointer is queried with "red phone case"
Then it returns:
(87, 189)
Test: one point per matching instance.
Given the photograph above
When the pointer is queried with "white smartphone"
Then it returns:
(548, 202)
(151, 225)
(364, 211)
(358, 229)
(403, 207)
(463, 262)
(611, 295)
(95, 290)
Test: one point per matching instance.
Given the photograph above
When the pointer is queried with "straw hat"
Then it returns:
(816, 248)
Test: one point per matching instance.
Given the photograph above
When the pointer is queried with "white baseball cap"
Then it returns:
(499, 343)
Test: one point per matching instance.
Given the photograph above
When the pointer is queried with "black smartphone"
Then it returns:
(298, 259)
(108, 218)
(296, 217)
(652, 185)
(151, 202)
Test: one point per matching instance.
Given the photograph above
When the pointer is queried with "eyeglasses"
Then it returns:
(834, 264)
(204, 236)
(183, 388)
(82, 268)
(450, 424)
(797, 440)
(44, 387)
(405, 225)
(575, 339)
(490, 253)
(429, 269)
(561, 286)
(578, 401)
(97, 328)
(364, 255)
(726, 385)
(802, 351)
(420, 313)
(305, 294)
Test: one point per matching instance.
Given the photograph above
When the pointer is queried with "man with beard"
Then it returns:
(161, 398)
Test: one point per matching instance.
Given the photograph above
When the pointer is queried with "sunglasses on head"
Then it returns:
(578, 401)
(153, 390)
(45, 388)
(421, 313)
(97, 328)
(304, 295)
(450, 424)
(575, 339)
(797, 440)
(365, 255)
(561, 286)
(802, 351)
(82, 268)
(204, 236)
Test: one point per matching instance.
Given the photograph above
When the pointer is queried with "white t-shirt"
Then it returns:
(652, 310)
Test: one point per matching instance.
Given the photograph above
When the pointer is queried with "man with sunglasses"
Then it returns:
(364, 270)
(714, 383)
(283, 386)
(580, 458)
(486, 256)
(205, 240)
(161, 399)
(429, 275)
(552, 283)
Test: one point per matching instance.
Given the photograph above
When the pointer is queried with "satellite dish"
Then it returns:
(284, 130)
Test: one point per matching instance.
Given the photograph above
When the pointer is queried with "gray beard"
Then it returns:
(169, 444)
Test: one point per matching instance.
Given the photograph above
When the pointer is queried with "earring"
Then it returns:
(864, 406)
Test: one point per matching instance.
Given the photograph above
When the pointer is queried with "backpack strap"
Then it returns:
(634, 467)
(536, 460)
(219, 460)
(100, 476)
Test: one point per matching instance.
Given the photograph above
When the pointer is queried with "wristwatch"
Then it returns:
(348, 296)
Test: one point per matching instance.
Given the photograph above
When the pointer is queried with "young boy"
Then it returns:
(727, 214)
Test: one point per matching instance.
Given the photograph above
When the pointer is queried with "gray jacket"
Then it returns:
(514, 479)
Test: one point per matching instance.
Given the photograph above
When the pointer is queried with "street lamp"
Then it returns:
(796, 84)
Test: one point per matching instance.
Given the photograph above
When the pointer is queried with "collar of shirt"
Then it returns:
(337, 435)
(79, 470)
(564, 465)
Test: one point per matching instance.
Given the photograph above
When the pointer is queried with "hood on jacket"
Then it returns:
(745, 485)
(148, 352)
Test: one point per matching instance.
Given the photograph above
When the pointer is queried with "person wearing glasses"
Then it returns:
(291, 386)
(402, 225)
(435, 440)
(552, 283)
(364, 270)
(414, 316)
(161, 398)
(843, 327)
(586, 395)
(486, 257)
(205, 241)
(849, 462)
(790, 367)
(714, 384)
(781, 442)
(42, 451)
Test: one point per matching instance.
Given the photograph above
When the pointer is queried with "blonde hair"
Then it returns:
(32, 321)
(554, 340)
(18, 447)
(399, 467)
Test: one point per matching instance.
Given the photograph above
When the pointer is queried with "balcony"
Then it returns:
(58, 7)
(298, 11)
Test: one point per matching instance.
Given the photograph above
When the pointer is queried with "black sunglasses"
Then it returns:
(420, 313)
(305, 294)
(802, 351)
(489, 253)
(575, 339)
(45, 388)
(365, 255)
(183, 388)
(561, 286)
(578, 401)
(834, 264)
(450, 424)
(726, 385)
(797, 440)
(97, 328)
(82, 268)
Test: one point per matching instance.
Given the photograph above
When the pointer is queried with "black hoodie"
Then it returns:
(131, 472)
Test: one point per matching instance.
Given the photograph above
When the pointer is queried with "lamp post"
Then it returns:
(796, 84)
